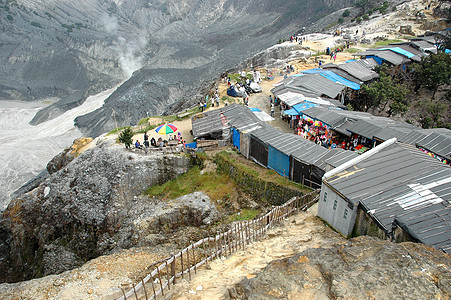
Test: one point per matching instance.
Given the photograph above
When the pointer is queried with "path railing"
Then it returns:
(195, 255)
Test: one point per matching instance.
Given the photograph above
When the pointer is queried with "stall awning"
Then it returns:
(291, 112)
(304, 105)
(333, 77)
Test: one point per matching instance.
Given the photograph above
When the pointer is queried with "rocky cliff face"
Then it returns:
(68, 49)
(363, 268)
(86, 209)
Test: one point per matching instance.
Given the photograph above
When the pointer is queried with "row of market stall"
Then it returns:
(399, 187)
(290, 155)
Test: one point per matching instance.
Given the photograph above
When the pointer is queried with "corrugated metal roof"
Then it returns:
(357, 70)
(401, 50)
(345, 75)
(285, 88)
(319, 84)
(425, 46)
(368, 63)
(238, 116)
(334, 117)
(390, 56)
(404, 184)
(340, 157)
(266, 133)
(437, 140)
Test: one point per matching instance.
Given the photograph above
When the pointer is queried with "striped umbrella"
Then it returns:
(166, 129)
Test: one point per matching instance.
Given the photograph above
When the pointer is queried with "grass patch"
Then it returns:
(237, 77)
(216, 186)
(319, 53)
(115, 130)
(353, 50)
(244, 214)
(143, 121)
(381, 43)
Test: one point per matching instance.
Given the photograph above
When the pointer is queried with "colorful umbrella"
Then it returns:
(166, 129)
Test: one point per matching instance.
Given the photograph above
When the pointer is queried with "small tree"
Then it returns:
(126, 137)
(433, 71)
(382, 92)
(346, 13)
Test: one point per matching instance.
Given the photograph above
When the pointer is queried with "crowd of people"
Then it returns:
(320, 134)
(158, 142)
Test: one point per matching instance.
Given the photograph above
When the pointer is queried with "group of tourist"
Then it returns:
(158, 143)
(320, 134)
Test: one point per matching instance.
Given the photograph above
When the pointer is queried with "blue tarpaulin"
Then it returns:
(447, 51)
(278, 161)
(303, 105)
(254, 109)
(400, 51)
(291, 112)
(376, 58)
(333, 77)
(338, 79)
(313, 71)
(236, 138)
(191, 145)
(348, 61)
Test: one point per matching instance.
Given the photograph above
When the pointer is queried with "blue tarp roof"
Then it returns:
(337, 78)
(348, 61)
(304, 105)
(400, 51)
(254, 109)
(291, 112)
(447, 51)
(333, 77)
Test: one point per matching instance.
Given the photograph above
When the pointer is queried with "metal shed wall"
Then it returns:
(258, 151)
(278, 161)
(236, 138)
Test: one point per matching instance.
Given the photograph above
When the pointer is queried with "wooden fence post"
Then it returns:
(161, 283)
(194, 259)
(173, 267)
(134, 291)
(189, 266)
(168, 275)
(145, 290)
(181, 260)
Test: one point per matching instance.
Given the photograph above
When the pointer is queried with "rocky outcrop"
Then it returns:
(363, 268)
(86, 209)
(67, 155)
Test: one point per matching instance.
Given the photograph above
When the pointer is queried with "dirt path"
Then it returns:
(292, 236)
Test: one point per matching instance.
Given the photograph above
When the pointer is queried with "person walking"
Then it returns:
(272, 109)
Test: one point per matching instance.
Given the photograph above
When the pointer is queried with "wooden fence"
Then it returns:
(184, 263)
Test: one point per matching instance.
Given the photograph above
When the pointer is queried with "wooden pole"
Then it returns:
(153, 287)
(134, 291)
(181, 260)
(168, 275)
(161, 283)
(173, 267)
(189, 266)
(144, 287)
(125, 297)
(194, 258)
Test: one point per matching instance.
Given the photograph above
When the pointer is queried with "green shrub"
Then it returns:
(126, 136)
(245, 214)
(346, 13)
(365, 17)
(9, 17)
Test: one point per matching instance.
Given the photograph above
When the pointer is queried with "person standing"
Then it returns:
(146, 140)
(272, 109)
(270, 99)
